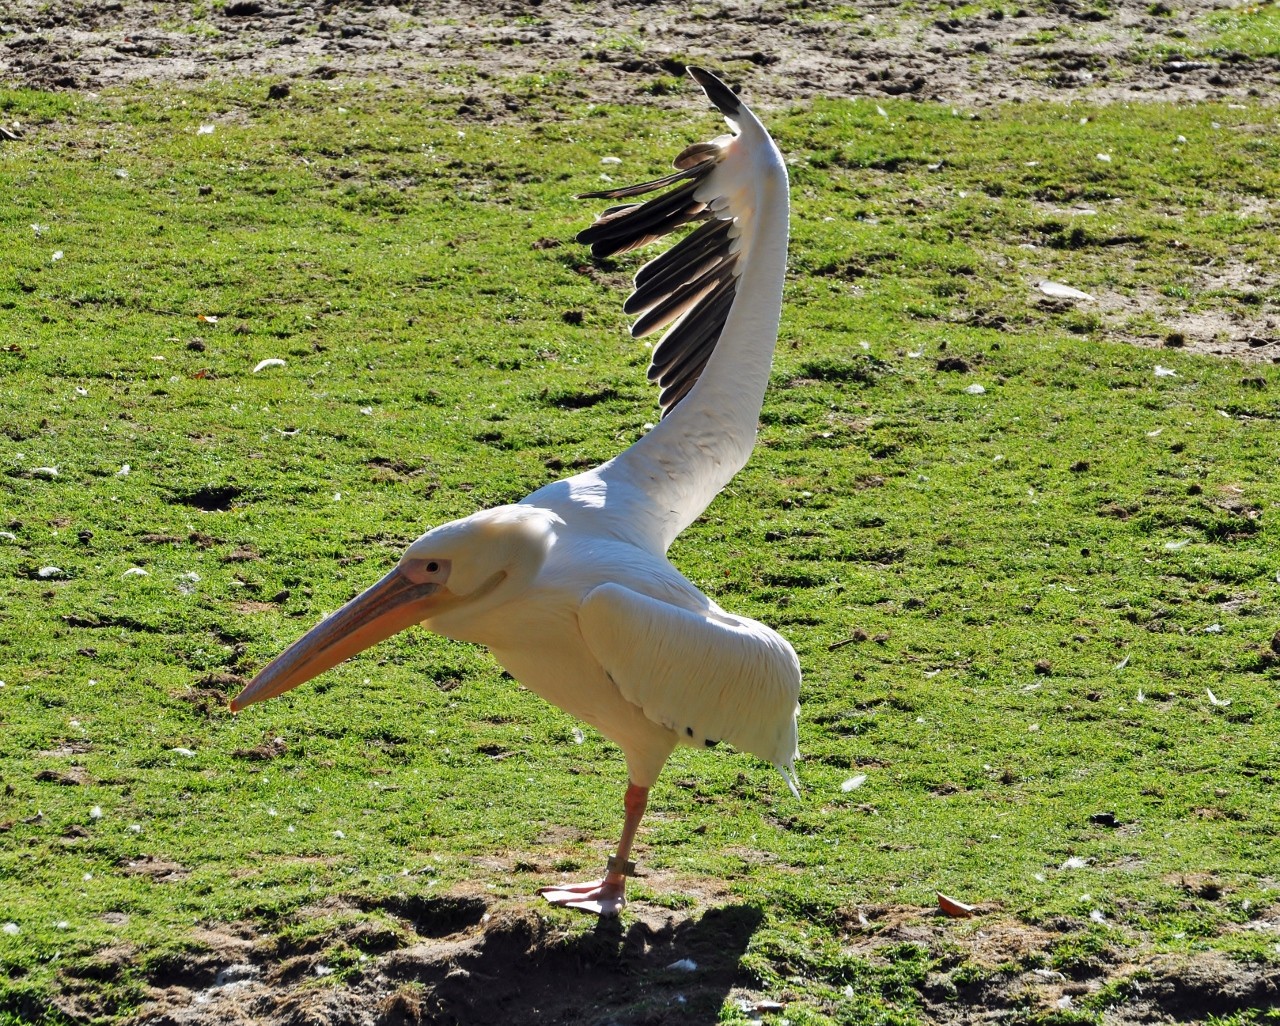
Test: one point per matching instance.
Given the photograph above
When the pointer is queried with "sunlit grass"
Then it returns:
(1010, 606)
(1252, 30)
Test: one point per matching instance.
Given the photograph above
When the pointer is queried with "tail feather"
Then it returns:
(792, 778)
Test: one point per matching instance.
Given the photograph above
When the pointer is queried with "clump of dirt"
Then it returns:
(271, 748)
(992, 968)
(156, 868)
(456, 959)
(73, 776)
(783, 50)
(466, 959)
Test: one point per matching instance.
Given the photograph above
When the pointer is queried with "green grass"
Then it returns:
(1037, 584)
(1252, 30)
(1247, 31)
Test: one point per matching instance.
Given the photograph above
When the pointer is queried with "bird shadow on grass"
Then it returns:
(448, 959)
(664, 968)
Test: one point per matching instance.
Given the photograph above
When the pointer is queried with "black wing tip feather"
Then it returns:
(721, 96)
(690, 287)
(622, 192)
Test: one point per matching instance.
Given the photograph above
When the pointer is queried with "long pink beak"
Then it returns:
(386, 608)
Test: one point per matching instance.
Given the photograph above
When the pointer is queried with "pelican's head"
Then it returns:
(450, 574)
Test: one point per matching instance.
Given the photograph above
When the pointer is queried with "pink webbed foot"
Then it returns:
(606, 897)
(603, 897)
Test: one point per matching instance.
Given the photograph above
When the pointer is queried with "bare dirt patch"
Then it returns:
(456, 959)
(783, 51)
(1215, 332)
(996, 969)
(156, 868)
(464, 958)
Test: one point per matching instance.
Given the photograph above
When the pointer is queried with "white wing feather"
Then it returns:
(707, 676)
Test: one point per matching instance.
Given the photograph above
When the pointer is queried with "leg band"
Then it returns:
(626, 869)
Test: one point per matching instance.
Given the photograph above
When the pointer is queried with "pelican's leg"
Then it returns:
(607, 896)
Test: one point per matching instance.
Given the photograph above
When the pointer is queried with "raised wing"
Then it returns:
(718, 293)
(690, 287)
(707, 676)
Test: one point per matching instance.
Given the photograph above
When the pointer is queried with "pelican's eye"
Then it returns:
(425, 571)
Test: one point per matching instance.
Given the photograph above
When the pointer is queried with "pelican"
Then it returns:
(571, 589)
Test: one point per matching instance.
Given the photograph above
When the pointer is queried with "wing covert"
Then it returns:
(707, 676)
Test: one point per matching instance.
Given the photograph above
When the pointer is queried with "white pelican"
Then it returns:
(571, 589)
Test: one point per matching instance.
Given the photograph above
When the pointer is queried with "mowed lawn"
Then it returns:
(1031, 569)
